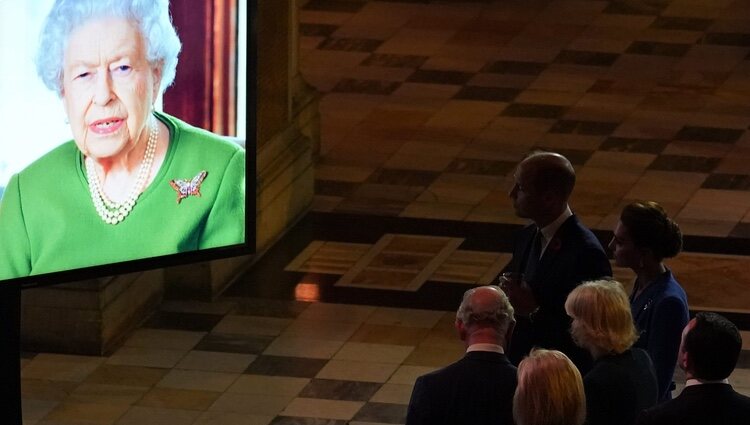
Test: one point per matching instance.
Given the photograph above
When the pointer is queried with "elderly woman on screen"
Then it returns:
(622, 381)
(133, 183)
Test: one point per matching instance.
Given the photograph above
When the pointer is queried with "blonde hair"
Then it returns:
(601, 317)
(549, 391)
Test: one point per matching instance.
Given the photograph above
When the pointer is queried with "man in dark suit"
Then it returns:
(478, 389)
(555, 254)
(710, 347)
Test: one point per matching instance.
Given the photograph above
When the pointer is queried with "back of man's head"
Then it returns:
(713, 346)
(486, 308)
(551, 172)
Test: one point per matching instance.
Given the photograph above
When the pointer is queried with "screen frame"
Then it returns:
(188, 257)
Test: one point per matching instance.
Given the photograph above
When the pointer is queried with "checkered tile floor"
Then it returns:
(428, 105)
(287, 345)
(255, 362)
(426, 108)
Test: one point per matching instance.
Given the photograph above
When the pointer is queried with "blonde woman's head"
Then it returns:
(602, 321)
(549, 391)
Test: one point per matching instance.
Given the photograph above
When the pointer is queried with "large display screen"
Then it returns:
(99, 174)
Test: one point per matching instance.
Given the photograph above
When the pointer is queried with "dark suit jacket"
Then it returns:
(619, 387)
(476, 390)
(660, 313)
(714, 404)
(574, 255)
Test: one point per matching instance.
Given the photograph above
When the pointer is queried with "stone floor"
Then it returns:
(294, 341)
(426, 107)
(284, 362)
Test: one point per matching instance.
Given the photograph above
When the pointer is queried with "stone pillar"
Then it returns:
(288, 136)
(288, 123)
(89, 317)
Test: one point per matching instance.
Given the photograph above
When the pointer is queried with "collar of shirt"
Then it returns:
(485, 347)
(691, 382)
(548, 231)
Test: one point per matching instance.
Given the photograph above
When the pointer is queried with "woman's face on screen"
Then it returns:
(108, 87)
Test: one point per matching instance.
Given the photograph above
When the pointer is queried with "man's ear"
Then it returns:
(552, 199)
(684, 360)
(547, 196)
(460, 329)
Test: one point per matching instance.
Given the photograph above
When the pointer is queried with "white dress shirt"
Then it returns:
(485, 347)
(548, 231)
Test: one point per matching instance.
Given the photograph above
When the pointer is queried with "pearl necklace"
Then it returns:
(115, 212)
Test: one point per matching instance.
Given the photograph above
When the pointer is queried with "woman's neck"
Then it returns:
(648, 274)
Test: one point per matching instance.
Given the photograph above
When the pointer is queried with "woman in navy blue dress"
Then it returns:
(643, 238)
(622, 381)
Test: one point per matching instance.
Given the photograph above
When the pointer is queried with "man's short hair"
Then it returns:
(498, 314)
(713, 346)
(552, 172)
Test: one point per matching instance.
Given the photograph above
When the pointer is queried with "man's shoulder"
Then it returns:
(668, 412)
(454, 368)
(579, 241)
(741, 401)
(575, 228)
(694, 401)
(484, 360)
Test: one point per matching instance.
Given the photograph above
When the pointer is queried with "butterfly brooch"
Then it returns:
(191, 187)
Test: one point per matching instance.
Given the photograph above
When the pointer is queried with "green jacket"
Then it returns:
(48, 222)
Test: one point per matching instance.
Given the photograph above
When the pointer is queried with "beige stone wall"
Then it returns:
(89, 317)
